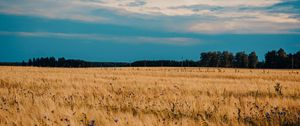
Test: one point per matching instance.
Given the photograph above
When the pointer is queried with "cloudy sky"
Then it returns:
(128, 30)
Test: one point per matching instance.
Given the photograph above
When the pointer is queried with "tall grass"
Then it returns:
(148, 96)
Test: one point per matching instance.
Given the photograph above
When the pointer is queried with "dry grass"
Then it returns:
(148, 96)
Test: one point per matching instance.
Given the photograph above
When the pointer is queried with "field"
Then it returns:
(148, 96)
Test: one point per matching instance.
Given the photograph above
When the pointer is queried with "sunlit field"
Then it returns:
(162, 96)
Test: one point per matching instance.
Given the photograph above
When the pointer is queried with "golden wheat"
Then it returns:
(148, 96)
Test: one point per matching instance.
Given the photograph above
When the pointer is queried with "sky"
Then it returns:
(130, 30)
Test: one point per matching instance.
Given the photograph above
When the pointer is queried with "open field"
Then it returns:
(148, 96)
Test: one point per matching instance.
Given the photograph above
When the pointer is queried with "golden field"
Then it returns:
(161, 96)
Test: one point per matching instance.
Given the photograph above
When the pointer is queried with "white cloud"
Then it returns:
(56, 9)
(108, 38)
(169, 7)
(244, 27)
(205, 16)
(73, 8)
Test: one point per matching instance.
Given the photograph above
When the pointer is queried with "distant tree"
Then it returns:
(277, 59)
(296, 59)
(290, 61)
(61, 62)
(260, 64)
(270, 59)
(241, 60)
(47, 62)
(273, 59)
(34, 63)
(282, 59)
(226, 59)
(214, 59)
(245, 61)
(210, 59)
(29, 62)
(23, 63)
(52, 62)
(253, 60)
(41, 61)
(204, 59)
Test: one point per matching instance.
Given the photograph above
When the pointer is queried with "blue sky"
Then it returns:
(128, 30)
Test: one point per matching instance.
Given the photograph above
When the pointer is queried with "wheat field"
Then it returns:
(32, 96)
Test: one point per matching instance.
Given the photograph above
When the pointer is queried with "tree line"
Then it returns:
(62, 62)
(273, 59)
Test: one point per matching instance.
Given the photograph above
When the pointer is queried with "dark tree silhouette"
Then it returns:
(204, 59)
(215, 59)
(273, 59)
(241, 60)
(210, 59)
(34, 62)
(281, 59)
(270, 59)
(29, 62)
(278, 59)
(24, 63)
(226, 59)
(296, 60)
(253, 60)
(61, 62)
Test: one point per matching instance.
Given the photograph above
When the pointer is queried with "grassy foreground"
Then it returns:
(148, 96)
